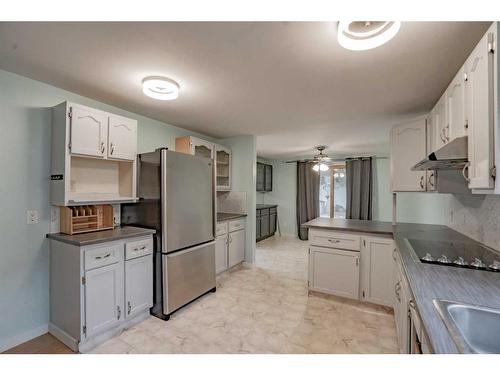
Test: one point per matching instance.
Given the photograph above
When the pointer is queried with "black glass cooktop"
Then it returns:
(456, 254)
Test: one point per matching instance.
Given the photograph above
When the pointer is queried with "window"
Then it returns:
(332, 192)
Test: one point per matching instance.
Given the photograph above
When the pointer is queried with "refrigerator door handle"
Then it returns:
(163, 163)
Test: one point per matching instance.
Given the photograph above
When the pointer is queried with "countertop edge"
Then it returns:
(66, 238)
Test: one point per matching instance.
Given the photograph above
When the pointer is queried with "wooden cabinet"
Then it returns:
(377, 270)
(264, 177)
(88, 131)
(91, 163)
(122, 138)
(221, 253)
(334, 271)
(229, 244)
(96, 291)
(223, 168)
(479, 98)
(236, 247)
(138, 285)
(408, 146)
(195, 146)
(103, 298)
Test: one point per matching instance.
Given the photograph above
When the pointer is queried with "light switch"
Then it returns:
(31, 217)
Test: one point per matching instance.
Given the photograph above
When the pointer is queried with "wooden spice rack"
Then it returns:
(83, 219)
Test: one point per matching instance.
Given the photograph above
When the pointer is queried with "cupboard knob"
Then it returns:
(119, 312)
(129, 307)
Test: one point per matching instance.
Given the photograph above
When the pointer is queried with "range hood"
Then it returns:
(452, 155)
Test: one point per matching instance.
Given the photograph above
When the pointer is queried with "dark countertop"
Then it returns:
(93, 238)
(350, 225)
(261, 206)
(223, 216)
(429, 281)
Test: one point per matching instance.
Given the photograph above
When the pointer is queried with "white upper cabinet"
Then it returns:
(88, 132)
(479, 98)
(456, 126)
(440, 121)
(223, 163)
(194, 146)
(122, 138)
(408, 146)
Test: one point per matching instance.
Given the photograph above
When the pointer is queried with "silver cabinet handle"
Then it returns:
(129, 307)
(103, 257)
(447, 132)
(431, 182)
(357, 261)
(333, 241)
(112, 148)
(230, 239)
(442, 136)
(397, 287)
(412, 304)
(465, 172)
(102, 148)
(119, 312)
(143, 247)
(394, 254)
(421, 182)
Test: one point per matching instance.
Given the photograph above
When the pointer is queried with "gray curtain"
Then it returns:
(359, 188)
(307, 196)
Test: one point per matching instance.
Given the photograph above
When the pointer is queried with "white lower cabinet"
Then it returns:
(334, 271)
(376, 272)
(221, 253)
(229, 244)
(236, 247)
(103, 298)
(138, 282)
(96, 291)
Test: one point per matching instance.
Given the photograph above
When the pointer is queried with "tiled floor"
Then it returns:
(264, 309)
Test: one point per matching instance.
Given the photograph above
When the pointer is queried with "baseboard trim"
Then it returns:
(64, 337)
(10, 342)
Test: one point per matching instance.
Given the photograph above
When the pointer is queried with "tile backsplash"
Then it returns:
(232, 202)
(476, 216)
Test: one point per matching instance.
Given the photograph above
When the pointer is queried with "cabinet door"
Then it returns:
(272, 223)
(122, 138)
(257, 227)
(223, 156)
(334, 271)
(377, 270)
(440, 122)
(408, 146)
(88, 132)
(404, 332)
(268, 179)
(261, 176)
(264, 225)
(221, 253)
(103, 298)
(236, 253)
(199, 147)
(456, 107)
(138, 285)
(479, 112)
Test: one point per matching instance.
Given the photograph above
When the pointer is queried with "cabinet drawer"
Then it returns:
(236, 225)
(333, 239)
(103, 256)
(221, 228)
(138, 248)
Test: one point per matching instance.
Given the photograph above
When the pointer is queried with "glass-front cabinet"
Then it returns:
(223, 162)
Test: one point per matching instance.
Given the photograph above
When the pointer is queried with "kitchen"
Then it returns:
(160, 226)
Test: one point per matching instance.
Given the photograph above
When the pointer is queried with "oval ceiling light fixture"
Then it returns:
(160, 88)
(363, 35)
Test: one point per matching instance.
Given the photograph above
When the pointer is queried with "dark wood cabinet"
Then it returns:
(264, 177)
(265, 222)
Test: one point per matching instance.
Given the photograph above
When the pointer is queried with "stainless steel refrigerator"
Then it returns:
(177, 198)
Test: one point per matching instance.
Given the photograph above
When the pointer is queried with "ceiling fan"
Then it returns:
(319, 159)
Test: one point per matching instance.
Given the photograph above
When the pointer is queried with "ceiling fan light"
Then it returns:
(316, 167)
(323, 167)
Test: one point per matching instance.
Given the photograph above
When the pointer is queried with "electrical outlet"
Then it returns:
(31, 217)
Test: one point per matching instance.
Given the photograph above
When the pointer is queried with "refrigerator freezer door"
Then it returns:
(187, 200)
(187, 274)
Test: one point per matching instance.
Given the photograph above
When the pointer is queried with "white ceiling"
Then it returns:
(289, 83)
